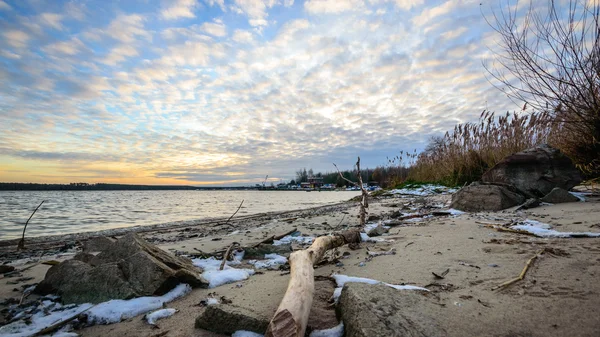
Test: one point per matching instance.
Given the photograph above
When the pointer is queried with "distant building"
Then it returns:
(315, 182)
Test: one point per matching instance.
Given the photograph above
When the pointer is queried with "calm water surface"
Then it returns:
(66, 212)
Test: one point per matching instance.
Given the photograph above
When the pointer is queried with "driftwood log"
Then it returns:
(291, 316)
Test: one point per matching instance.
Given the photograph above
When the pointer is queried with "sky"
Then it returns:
(214, 92)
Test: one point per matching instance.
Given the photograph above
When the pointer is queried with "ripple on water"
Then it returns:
(66, 212)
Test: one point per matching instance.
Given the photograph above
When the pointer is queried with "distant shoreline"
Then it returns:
(110, 187)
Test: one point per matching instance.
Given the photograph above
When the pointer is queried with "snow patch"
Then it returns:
(580, 195)
(365, 238)
(271, 260)
(424, 190)
(112, 311)
(340, 280)
(216, 277)
(544, 230)
(336, 331)
(115, 311)
(243, 333)
(154, 316)
(286, 240)
(455, 212)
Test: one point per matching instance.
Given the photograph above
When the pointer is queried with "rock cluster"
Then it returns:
(127, 268)
(540, 172)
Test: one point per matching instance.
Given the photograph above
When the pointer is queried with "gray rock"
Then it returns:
(558, 195)
(78, 282)
(227, 319)
(378, 231)
(98, 244)
(6, 268)
(476, 198)
(84, 257)
(378, 310)
(131, 268)
(373, 217)
(535, 171)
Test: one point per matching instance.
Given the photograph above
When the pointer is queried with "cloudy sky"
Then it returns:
(218, 92)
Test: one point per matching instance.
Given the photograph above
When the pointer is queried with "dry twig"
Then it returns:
(227, 253)
(232, 215)
(21, 244)
(523, 272)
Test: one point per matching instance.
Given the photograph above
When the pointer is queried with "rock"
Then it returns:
(6, 268)
(98, 244)
(378, 231)
(131, 268)
(84, 257)
(529, 203)
(477, 197)
(378, 310)
(558, 195)
(259, 251)
(78, 282)
(535, 171)
(228, 318)
(373, 218)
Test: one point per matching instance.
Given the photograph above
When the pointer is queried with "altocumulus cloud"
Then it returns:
(225, 92)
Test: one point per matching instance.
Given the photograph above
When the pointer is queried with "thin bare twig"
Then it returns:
(227, 253)
(21, 244)
(232, 215)
(523, 272)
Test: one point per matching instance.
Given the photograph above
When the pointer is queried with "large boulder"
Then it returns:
(132, 267)
(484, 197)
(558, 195)
(378, 310)
(535, 171)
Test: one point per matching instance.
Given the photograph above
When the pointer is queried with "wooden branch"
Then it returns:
(232, 215)
(227, 253)
(291, 316)
(523, 272)
(275, 237)
(21, 244)
(364, 204)
(510, 230)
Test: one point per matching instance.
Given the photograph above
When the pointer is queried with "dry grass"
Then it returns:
(464, 154)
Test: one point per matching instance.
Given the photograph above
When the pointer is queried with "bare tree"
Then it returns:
(549, 58)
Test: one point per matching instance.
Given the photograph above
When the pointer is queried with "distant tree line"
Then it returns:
(384, 176)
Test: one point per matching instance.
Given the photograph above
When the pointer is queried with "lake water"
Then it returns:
(67, 212)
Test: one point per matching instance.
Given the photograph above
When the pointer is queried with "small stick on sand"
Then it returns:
(21, 244)
(232, 215)
(510, 230)
(227, 253)
(523, 272)
(272, 238)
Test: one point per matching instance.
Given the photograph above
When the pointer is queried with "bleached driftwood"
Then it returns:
(291, 316)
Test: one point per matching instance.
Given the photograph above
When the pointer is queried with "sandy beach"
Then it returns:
(559, 296)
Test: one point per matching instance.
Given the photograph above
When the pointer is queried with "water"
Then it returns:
(67, 212)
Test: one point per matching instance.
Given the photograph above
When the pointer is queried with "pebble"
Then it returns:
(493, 265)
(339, 264)
(362, 264)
